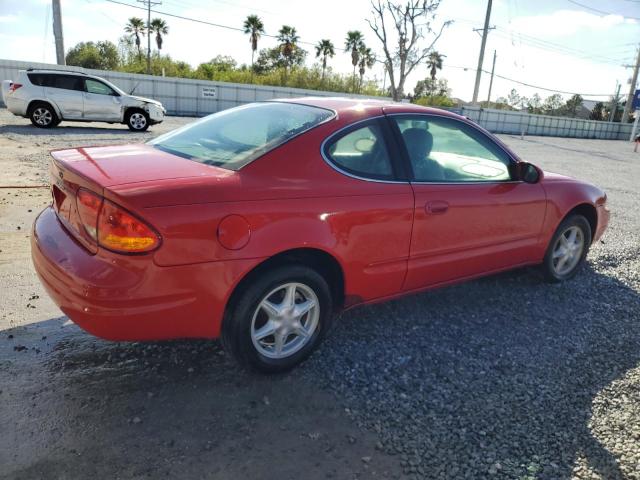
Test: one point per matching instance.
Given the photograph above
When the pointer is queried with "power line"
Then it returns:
(600, 11)
(535, 86)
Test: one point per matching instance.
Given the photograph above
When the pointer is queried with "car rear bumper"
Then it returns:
(15, 105)
(119, 297)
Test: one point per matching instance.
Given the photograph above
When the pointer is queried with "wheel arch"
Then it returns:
(589, 212)
(320, 260)
(32, 104)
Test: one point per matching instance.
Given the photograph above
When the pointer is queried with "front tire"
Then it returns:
(567, 250)
(42, 115)
(137, 120)
(276, 321)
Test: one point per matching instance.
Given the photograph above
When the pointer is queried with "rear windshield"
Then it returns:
(232, 138)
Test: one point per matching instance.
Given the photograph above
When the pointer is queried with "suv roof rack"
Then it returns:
(31, 69)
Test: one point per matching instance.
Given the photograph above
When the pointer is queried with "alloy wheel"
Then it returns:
(568, 250)
(138, 121)
(42, 116)
(285, 320)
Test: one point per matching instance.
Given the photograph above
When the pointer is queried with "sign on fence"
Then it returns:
(208, 92)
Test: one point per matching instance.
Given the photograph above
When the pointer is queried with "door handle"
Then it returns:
(437, 207)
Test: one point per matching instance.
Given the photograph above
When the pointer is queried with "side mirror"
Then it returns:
(527, 172)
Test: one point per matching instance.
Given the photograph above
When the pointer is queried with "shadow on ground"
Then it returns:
(63, 129)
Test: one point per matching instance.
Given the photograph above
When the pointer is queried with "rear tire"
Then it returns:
(43, 115)
(275, 322)
(567, 249)
(137, 120)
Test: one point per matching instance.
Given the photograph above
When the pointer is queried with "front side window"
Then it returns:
(94, 86)
(235, 137)
(447, 150)
(362, 152)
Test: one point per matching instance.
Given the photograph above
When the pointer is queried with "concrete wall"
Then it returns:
(187, 97)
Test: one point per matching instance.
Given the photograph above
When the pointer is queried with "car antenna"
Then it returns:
(134, 88)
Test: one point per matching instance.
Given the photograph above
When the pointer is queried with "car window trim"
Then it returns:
(407, 161)
(387, 138)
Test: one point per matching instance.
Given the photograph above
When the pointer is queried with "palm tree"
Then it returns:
(288, 38)
(135, 28)
(353, 43)
(367, 60)
(253, 27)
(160, 28)
(434, 62)
(325, 49)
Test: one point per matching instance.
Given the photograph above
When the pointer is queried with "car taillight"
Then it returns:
(112, 227)
(14, 86)
(89, 205)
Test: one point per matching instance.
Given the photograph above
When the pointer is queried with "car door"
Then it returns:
(66, 92)
(101, 102)
(471, 215)
(374, 220)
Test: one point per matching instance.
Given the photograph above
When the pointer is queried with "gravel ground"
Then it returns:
(504, 377)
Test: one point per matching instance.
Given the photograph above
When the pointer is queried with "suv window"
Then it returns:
(35, 78)
(447, 150)
(66, 82)
(94, 86)
(362, 152)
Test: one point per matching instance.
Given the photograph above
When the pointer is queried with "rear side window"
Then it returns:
(36, 78)
(362, 152)
(233, 138)
(65, 82)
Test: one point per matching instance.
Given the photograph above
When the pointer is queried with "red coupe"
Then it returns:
(257, 224)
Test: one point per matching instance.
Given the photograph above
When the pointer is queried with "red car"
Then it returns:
(258, 223)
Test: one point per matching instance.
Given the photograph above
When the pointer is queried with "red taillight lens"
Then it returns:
(120, 231)
(14, 86)
(113, 227)
(89, 209)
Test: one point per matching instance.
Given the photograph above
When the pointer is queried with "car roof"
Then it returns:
(54, 71)
(366, 105)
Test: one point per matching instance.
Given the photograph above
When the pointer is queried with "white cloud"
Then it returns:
(8, 18)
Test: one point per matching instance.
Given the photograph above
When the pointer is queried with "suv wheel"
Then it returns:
(279, 319)
(137, 120)
(42, 115)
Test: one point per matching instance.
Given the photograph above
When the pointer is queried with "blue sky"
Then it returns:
(557, 44)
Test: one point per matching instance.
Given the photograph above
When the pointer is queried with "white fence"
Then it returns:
(522, 123)
(182, 96)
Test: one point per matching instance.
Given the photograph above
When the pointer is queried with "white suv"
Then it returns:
(47, 97)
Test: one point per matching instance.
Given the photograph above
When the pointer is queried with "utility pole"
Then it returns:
(493, 69)
(485, 33)
(614, 103)
(149, 4)
(57, 32)
(632, 90)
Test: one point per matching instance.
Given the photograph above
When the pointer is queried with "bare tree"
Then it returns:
(407, 34)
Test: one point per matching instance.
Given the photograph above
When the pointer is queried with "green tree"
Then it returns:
(288, 38)
(136, 29)
(431, 88)
(325, 49)
(534, 104)
(514, 99)
(253, 27)
(552, 104)
(100, 55)
(434, 63)
(367, 60)
(354, 43)
(160, 28)
(572, 106)
(598, 112)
